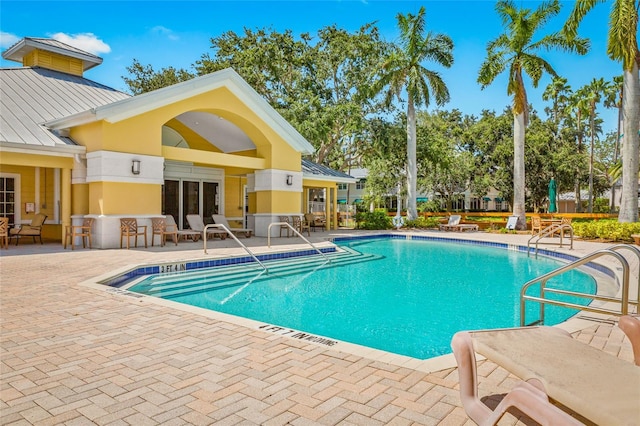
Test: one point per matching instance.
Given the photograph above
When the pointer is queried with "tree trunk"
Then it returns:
(412, 169)
(518, 171)
(593, 136)
(630, 145)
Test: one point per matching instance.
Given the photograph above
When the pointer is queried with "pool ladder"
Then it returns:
(549, 231)
(623, 300)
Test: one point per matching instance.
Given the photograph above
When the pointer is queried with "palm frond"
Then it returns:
(623, 28)
(580, 9)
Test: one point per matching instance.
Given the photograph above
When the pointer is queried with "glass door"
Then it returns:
(183, 197)
(171, 199)
(210, 200)
(8, 199)
(190, 199)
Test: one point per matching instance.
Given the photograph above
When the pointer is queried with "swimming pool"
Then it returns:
(403, 296)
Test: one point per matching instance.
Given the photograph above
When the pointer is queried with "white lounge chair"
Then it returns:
(222, 220)
(196, 224)
(452, 224)
(589, 382)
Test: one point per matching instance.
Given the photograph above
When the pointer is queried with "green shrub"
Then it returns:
(610, 230)
(422, 223)
(373, 220)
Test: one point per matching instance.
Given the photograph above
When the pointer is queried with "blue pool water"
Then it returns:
(407, 297)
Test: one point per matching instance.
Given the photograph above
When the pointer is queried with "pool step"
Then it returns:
(215, 278)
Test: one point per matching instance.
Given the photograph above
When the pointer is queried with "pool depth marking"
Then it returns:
(282, 331)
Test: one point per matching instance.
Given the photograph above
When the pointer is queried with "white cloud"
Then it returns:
(164, 31)
(8, 39)
(88, 42)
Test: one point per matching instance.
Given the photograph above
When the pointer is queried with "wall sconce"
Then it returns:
(135, 167)
(289, 180)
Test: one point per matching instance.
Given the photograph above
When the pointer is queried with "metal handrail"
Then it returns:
(623, 300)
(296, 232)
(219, 226)
(550, 230)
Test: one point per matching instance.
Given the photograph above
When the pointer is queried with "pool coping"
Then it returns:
(429, 365)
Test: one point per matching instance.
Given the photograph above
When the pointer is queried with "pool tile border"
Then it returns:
(124, 278)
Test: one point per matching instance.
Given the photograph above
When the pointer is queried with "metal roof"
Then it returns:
(26, 45)
(318, 171)
(31, 96)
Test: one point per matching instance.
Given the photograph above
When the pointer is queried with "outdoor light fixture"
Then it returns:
(289, 180)
(135, 167)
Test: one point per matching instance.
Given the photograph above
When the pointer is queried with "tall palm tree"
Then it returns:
(516, 51)
(577, 109)
(558, 92)
(402, 71)
(622, 46)
(613, 99)
(593, 94)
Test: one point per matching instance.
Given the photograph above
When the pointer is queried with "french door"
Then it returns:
(181, 197)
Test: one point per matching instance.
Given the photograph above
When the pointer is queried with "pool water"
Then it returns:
(409, 298)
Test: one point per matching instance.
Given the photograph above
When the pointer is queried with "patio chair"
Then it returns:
(222, 220)
(536, 225)
(171, 225)
(34, 229)
(552, 366)
(129, 228)
(452, 224)
(83, 231)
(285, 228)
(300, 225)
(196, 224)
(4, 232)
(159, 227)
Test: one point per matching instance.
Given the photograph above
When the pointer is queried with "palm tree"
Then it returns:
(558, 92)
(622, 46)
(402, 71)
(592, 94)
(613, 99)
(516, 51)
(576, 110)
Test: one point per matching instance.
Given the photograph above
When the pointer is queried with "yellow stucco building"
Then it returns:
(71, 147)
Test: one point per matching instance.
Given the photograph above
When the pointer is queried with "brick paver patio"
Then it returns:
(74, 355)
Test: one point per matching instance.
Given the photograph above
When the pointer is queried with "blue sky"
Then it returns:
(177, 33)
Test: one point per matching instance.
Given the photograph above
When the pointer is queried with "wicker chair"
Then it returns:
(300, 225)
(285, 219)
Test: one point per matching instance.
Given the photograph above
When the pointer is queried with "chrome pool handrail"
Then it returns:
(219, 226)
(623, 300)
(549, 231)
(295, 232)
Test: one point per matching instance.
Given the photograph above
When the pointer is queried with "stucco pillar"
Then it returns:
(334, 203)
(65, 199)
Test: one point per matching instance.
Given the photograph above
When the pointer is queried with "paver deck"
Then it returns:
(72, 354)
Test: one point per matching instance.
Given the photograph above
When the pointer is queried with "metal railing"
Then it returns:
(229, 233)
(623, 300)
(295, 231)
(550, 231)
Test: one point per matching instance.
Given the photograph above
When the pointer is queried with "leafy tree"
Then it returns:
(402, 70)
(516, 51)
(622, 46)
(146, 79)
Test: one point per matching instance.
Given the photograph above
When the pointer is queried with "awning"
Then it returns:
(422, 199)
(498, 200)
(486, 198)
(357, 200)
(342, 201)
